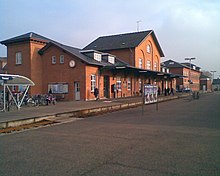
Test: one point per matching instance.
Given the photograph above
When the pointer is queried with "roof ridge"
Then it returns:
(122, 34)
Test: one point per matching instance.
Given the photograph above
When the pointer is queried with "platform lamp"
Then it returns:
(190, 60)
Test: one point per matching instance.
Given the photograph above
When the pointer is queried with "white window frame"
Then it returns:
(148, 48)
(129, 83)
(53, 59)
(140, 84)
(61, 59)
(155, 66)
(148, 65)
(93, 82)
(140, 63)
(111, 59)
(18, 58)
(98, 57)
(118, 83)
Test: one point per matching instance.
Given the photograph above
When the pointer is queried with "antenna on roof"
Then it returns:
(138, 24)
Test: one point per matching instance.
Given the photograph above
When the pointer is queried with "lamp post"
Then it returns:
(190, 59)
(213, 72)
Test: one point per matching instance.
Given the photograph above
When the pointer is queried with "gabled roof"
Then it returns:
(123, 41)
(79, 54)
(173, 64)
(26, 37)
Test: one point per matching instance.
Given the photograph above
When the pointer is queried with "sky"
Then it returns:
(184, 28)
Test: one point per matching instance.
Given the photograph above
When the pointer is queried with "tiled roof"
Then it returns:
(122, 41)
(26, 37)
(173, 64)
(77, 52)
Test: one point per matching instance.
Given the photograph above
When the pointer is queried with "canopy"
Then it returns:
(7, 80)
(12, 80)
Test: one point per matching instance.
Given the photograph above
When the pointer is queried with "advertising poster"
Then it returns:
(150, 93)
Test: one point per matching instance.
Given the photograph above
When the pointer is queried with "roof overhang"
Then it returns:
(13, 80)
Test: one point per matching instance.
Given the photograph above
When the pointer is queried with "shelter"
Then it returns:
(9, 80)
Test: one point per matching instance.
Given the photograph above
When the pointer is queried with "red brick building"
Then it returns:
(190, 78)
(119, 69)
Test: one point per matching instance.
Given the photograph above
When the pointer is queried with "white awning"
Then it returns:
(13, 80)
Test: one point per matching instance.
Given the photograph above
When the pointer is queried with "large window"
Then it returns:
(58, 88)
(148, 49)
(18, 58)
(148, 65)
(118, 83)
(53, 60)
(93, 83)
(140, 63)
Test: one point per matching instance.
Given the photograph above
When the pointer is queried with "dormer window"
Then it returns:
(194, 67)
(98, 57)
(171, 63)
(111, 59)
(148, 48)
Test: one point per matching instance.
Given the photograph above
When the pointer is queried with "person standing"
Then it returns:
(96, 93)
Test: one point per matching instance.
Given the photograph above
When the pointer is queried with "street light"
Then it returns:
(190, 59)
(213, 75)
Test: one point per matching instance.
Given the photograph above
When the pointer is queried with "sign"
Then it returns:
(150, 93)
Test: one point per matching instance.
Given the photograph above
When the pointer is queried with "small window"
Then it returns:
(18, 58)
(61, 59)
(98, 57)
(140, 84)
(140, 63)
(93, 83)
(111, 59)
(129, 83)
(148, 48)
(53, 59)
(118, 83)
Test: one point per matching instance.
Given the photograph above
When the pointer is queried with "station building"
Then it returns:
(118, 65)
(190, 78)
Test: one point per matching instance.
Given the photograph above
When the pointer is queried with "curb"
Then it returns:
(80, 113)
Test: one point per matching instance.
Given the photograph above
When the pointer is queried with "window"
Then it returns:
(53, 59)
(140, 84)
(148, 48)
(129, 83)
(111, 59)
(61, 59)
(93, 83)
(18, 58)
(148, 65)
(118, 83)
(58, 88)
(140, 63)
(98, 57)
(155, 66)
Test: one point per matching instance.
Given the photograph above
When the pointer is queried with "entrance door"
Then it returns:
(77, 90)
(106, 87)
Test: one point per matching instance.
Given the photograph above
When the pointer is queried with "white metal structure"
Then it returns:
(8, 80)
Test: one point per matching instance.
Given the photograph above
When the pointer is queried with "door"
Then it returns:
(106, 87)
(77, 90)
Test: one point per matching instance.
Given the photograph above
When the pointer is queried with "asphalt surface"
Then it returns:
(181, 138)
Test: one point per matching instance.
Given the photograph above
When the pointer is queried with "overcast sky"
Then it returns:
(184, 28)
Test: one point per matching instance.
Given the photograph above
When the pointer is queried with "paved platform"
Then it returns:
(30, 114)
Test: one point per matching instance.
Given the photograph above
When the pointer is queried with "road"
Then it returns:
(181, 138)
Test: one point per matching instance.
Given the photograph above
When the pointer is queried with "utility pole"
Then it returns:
(138, 25)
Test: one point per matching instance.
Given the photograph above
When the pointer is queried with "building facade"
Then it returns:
(72, 74)
(190, 78)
